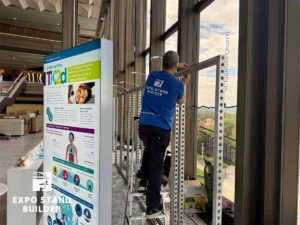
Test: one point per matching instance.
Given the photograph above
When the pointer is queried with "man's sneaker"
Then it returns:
(152, 213)
(142, 186)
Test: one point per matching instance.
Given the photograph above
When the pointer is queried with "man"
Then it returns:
(162, 91)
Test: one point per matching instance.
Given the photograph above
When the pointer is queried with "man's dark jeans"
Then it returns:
(156, 141)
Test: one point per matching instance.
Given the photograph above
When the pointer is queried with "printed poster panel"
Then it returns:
(71, 134)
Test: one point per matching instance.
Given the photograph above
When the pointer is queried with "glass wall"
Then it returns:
(205, 118)
(147, 62)
(171, 42)
(171, 13)
(148, 23)
(219, 28)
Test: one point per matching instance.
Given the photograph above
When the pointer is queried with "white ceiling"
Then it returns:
(49, 18)
(43, 15)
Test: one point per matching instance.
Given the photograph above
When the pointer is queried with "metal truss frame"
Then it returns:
(178, 141)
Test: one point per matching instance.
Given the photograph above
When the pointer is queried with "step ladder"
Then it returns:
(133, 196)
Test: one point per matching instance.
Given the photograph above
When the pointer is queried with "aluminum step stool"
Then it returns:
(133, 195)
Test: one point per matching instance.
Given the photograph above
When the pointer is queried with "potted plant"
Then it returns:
(209, 183)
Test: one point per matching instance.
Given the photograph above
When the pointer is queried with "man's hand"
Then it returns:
(182, 65)
(186, 79)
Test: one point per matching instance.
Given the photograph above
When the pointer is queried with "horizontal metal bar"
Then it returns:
(168, 33)
(25, 50)
(147, 51)
(29, 37)
(201, 127)
(199, 66)
(202, 4)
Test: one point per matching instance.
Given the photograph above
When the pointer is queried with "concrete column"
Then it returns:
(140, 40)
(70, 23)
(157, 28)
(188, 49)
(121, 33)
(268, 113)
(129, 53)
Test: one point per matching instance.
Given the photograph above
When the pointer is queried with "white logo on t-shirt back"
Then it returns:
(158, 83)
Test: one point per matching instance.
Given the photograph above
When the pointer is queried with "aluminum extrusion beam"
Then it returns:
(199, 66)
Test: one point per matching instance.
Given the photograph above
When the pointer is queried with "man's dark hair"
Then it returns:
(170, 59)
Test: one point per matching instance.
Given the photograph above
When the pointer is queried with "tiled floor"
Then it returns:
(119, 203)
(10, 152)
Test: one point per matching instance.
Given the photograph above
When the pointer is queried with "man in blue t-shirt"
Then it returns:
(162, 91)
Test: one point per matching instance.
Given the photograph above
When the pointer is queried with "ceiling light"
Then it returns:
(14, 58)
(15, 18)
(58, 24)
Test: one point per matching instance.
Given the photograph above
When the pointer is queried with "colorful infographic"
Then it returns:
(72, 100)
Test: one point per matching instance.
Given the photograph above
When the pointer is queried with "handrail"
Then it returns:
(8, 90)
(232, 139)
(15, 81)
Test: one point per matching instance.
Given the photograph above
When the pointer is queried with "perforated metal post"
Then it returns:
(133, 139)
(138, 146)
(122, 131)
(116, 129)
(128, 137)
(218, 142)
(181, 162)
(175, 171)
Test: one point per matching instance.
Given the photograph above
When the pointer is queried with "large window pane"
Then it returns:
(219, 35)
(148, 23)
(147, 61)
(171, 42)
(205, 118)
(171, 13)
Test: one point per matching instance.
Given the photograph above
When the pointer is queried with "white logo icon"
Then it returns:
(158, 83)
(41, 181)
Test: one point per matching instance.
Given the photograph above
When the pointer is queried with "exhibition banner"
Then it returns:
(72, 132)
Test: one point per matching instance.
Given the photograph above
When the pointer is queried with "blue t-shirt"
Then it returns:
(161, 93)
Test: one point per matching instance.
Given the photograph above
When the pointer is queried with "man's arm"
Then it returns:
(185, 81)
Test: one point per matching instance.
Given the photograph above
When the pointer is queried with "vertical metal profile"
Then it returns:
(138, 146)
(122, 132)
(181, 162)
(128, 136)
(133, 127)
(70, 23)
(142, 144)
(132, 134)
(218, 141)
(116, 128)
(290, 109)
(175, 170)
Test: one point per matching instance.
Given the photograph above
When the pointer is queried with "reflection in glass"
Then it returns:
(171, 42)
(171, 13)
(148, 23)
(147, 62)
(219, 35)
